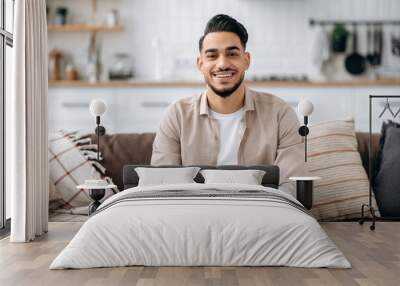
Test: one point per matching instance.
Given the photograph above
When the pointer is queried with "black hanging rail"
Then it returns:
(313, 22)
(369, 206)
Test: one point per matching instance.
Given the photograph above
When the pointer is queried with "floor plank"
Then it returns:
(374, 255)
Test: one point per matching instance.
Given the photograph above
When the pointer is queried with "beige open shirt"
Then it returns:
(189, 135)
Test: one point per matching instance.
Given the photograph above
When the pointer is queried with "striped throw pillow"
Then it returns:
(72, 160)
(333, 156)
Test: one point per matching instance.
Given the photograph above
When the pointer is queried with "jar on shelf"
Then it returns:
(121, 67)
(61, 16)
(112, 18)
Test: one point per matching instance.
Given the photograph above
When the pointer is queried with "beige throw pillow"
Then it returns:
(333, 156)
(71, 162)
(248, 177)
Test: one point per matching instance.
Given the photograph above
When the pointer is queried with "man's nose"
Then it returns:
(222, 62)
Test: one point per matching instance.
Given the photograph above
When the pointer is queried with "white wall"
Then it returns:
(279, 34)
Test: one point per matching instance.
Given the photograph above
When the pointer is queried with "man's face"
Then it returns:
(223, 62)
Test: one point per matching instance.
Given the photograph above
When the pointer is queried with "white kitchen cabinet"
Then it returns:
(69, 109)
(329, 103)
(139, 109)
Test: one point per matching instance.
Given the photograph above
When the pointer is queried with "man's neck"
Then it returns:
(228, 104)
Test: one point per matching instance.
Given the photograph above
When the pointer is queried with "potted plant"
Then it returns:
(339, 38)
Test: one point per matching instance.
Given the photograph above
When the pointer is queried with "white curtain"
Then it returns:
(26, 119)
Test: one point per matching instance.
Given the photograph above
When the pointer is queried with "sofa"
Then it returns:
(133, 148)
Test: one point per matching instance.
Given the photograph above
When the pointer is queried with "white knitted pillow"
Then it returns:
(166, 176)
(72, 160)
(248, 177)
(334, 157)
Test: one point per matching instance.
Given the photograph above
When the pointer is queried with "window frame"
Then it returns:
(6, 39)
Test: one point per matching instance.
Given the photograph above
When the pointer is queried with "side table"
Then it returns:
(96, 193)
(305, 189)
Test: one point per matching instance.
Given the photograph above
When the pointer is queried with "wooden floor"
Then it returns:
(374, 255)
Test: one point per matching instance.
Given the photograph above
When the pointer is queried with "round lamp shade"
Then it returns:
(305, 107)
(97, 107)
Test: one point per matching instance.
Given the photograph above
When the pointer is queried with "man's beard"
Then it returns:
(226, 92)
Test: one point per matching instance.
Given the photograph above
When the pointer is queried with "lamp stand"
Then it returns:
(99, 131)
(303, 131)
(304, 192)
(97, 194)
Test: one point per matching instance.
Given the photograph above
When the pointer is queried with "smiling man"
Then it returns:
(229, 124)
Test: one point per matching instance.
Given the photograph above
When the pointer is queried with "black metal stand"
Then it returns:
(369, 206)
(96, 195)
(99, 131)
(304, 192)
(303, 131)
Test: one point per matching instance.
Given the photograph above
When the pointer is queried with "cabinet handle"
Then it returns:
(75, 104)
(150, 104)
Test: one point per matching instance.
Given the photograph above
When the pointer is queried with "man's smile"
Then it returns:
(225, 75)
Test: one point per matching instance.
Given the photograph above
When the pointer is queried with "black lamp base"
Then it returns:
(96, 195)
(304, 192)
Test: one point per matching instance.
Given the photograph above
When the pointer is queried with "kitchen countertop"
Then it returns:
(194, 83)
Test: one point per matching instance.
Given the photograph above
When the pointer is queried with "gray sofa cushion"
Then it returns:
(387, 181)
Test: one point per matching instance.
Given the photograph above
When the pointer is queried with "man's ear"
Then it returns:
(247, 59)
(199, 62)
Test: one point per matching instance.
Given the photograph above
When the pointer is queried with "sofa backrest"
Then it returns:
(123, 149)
(363, 149)
(135, 149)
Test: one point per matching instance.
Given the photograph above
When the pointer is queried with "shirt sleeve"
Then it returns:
(166, 145)
(290, 151)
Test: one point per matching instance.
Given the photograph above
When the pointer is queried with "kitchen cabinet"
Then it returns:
(139, 108)
(68, 109)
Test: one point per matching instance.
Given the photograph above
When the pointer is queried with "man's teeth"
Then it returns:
(223, 75)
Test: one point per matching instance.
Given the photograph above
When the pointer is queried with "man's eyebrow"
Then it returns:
(231, 48)
(210, 51)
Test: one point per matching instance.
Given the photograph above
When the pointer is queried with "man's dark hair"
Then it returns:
(225, 23)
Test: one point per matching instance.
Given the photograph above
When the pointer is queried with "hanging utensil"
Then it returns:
(395, 41)
(355, 63)
(370, 44)
(379, 45)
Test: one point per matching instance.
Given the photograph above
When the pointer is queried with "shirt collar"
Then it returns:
(248, 102)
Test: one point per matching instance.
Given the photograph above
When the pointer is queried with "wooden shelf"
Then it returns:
(193, 83)
(83, 28)
(125, 83)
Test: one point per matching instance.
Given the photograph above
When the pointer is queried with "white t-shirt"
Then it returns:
(229, 136)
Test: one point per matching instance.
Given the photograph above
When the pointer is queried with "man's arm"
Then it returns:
(166, 145)
(290, 152)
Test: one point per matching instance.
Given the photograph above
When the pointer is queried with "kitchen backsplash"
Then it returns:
(280, 37)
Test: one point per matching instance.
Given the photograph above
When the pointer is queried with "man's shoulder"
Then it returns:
(266, 97)
(185, 105)
(187, 102)
(263, 98)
